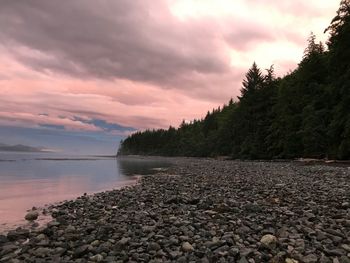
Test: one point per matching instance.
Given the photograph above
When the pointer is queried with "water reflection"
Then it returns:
(27, 181)
(143, 166)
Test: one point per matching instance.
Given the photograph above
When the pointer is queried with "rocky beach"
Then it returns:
(200, 210)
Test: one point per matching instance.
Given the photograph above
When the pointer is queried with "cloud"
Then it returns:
(52, 126)
(144, 40)
(109, 39)
(107, 67)
(106, 126)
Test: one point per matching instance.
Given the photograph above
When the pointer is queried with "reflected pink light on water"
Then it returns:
(19, 196)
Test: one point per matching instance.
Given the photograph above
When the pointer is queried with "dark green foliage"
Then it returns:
(304, 114)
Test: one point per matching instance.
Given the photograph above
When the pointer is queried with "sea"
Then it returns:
(38, 179)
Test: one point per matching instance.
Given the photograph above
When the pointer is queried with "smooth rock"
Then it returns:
(187, 247)
(154, 246)
(96, 258)
(269, 241)
(32, 215)
(124, 241)
(311, 258)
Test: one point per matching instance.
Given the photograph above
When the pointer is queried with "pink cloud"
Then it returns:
(142, 64)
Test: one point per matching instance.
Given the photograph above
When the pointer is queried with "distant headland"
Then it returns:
(21, 148)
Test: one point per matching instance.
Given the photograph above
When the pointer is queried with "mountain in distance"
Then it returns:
(20, 148)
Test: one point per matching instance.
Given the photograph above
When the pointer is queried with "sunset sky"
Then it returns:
(80, 75)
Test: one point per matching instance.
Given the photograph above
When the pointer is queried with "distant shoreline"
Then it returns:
(306, 161)
(22, 148)
(63, 158)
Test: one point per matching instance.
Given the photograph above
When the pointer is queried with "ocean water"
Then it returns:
(38, 179)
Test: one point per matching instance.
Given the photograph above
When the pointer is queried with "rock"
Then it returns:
(210, 212)
(184, 238)
(325, 259)
(95, 243)
(96, 258)
(41, 237)
(42, 252)
(343, 246)
(8, 249)
(70, 229)
(269, 241)
(234, 251)
(243, 230)
(335, 252)
(345, 205)
(148, 229)
(334, 232)
(243, 260)
(153, 246)
(344, 259)
(175, 254)
(80, 251)
(182, 259)
(53, 223)
(246, 252)
(124, 241)
(347, 222)
(32, 215)
(253, 208)
(217, 211)
(311, 258)
(187, 247)
(19, 233)
(3, 239)
(320, 235)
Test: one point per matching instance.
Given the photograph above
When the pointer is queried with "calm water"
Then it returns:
(36, 179)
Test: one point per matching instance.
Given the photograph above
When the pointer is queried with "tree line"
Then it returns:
(304, 114)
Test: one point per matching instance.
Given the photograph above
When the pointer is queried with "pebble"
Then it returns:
(206, 211)
(187, 247)
(32, 215)
(269, 241)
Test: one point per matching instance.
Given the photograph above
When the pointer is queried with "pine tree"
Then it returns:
(253, 81)
(339, 72)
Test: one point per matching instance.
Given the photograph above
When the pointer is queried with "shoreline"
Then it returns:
(201, 209)
(44, 210)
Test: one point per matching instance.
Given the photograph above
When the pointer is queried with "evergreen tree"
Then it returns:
(253, 81)
(339, 72)
(304, 114)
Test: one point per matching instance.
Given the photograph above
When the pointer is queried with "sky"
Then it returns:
(78, 77)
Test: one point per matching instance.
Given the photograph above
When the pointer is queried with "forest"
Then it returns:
(306, 113)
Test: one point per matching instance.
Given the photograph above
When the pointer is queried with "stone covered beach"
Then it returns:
(201, 210)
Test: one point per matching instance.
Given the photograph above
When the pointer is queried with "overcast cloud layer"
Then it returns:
(118, 66)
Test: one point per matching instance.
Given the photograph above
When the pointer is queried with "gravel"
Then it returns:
(201, 210)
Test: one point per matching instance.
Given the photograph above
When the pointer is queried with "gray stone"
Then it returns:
(153, 246)
(243, 260)
(187, 247)
(269, 241)
(124, 241)
(311, 258)
(42, 252)
(344, 259)
(3, 239)
(6, 249)
(96, 258)
(80, 251)
(32, 215)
